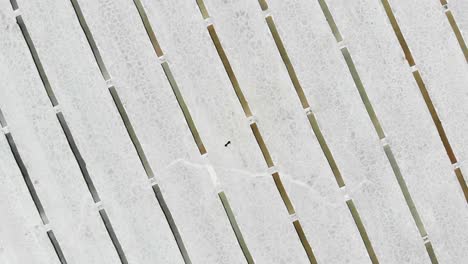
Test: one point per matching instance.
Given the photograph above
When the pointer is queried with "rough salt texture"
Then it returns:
(190, 182)
(22, 235)
(160, 126)
(219, 118)
(442, 65)
(69, 207)
(348, 130)
(287, 133)
(100, 135)
(408, 126)
(459, 10)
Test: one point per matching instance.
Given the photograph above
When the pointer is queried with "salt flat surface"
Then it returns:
(165, 137)
(235, 131)
(417, 147)
(50, 162)
(443, 68)
(24, 238)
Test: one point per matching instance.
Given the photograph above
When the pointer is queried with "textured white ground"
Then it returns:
(366, 176)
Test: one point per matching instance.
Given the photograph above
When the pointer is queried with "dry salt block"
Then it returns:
(130, 203)
(160, 127)
(459, 9)
(23, 236)
(219, 118)
(410, 131)
(61, 188)
(442, 66)
(296, 151)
